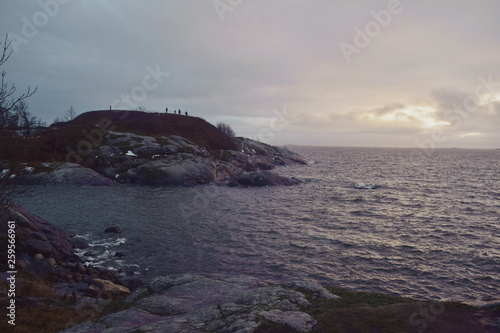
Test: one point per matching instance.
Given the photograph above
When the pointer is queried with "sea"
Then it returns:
(429, 229)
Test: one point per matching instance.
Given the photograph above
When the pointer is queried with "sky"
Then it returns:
(388, 73)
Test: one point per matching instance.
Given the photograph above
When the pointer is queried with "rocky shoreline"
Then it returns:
(47, 252)
(45, 257)
(177, 303)
(198, 303)
(124, 157)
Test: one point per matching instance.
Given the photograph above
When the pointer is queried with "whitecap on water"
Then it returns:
(101, 250)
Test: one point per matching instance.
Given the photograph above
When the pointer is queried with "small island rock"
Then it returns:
(114, 230)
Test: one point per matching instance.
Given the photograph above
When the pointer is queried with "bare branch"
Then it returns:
(70, 114)
(13, 111)
(5, 50)
(7, 101)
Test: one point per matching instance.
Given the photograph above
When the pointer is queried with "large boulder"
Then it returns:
(113, 230)
(34, 235)
(183, 169)
(107, 289)
(67, 173)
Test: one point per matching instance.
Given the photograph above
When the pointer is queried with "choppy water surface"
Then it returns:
(430, 230)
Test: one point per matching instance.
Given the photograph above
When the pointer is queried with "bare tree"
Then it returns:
(27, 121)
(8, 103)
(7, 99)
(140, 108)
(70, 114)
(226, 129)
(12, 120)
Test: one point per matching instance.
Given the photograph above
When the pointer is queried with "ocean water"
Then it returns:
(430, 230)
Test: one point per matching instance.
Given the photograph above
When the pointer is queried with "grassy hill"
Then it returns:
(53, 144)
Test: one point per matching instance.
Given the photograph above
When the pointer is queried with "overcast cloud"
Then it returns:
(284, 71)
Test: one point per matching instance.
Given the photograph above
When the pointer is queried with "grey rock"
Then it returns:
(198, 303)
(68, 173)
(311, 287)
(169, 325)
(132, 283)
(113, 230)
(90, 326)
(299, 321)
(41, 267)
(88, 303)
(185, 170)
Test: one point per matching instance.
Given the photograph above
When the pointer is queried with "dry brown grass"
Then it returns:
(39, 308)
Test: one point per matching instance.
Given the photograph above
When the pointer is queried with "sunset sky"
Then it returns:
(334, 73)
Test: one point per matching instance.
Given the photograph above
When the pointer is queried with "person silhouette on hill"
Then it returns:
(179, 111)
(166, 110)
(186, 113)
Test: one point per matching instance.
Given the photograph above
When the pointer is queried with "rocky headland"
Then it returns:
(99, 149)
(173, 160)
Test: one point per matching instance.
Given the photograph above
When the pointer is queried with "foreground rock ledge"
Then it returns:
(198, 303)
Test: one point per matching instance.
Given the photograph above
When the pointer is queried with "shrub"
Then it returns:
(226, 129)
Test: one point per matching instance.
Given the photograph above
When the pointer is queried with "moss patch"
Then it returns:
(373, 312)
(381, 313)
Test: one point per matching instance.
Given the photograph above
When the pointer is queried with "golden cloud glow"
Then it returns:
(489, 98)
(423, 116)
(470, 134)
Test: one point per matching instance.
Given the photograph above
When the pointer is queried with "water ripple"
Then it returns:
(429, 231)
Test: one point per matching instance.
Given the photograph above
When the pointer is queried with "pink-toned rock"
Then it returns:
(34, 236)
(20, 264)
(77, 277)
(104, 289)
